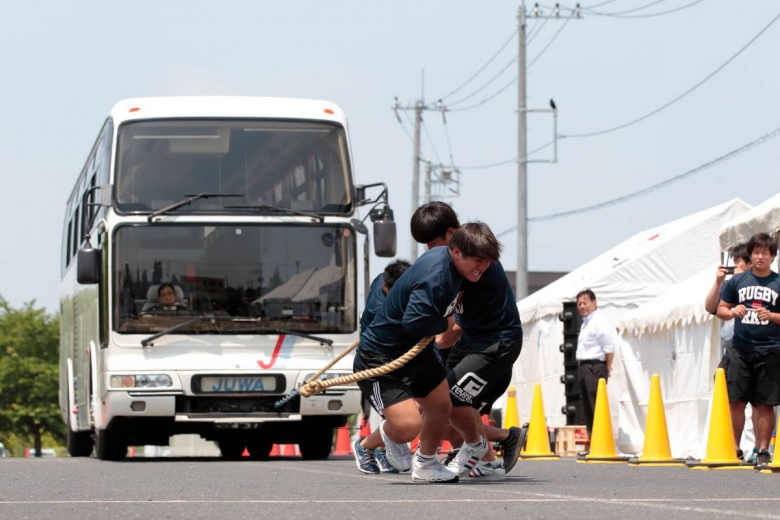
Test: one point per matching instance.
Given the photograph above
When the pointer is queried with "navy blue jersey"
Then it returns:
(417, 306)
(489, 308)
(376, 297)
(754, 292)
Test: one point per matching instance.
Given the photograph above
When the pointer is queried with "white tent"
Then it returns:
(764, 218)
(675, 337)
(623, 278)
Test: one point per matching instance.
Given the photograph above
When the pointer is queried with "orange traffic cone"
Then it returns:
(602, 444)
(343, 442)
(245, 452)
(444, 447)
(656, 451)
(365, 428)
(274, 451)
(537, 445)
(721, 446)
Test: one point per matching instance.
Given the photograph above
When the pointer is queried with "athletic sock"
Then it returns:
(425, 459)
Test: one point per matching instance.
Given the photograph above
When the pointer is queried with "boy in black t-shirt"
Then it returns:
(422, 303)
(486, 340)
(753, 363)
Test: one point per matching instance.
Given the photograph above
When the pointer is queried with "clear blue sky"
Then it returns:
(64, 64)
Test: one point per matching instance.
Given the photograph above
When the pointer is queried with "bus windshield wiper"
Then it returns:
(149, 342)
(186, 202)
(279, 332)
(285, 211)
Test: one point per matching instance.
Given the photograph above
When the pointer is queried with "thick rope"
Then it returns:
(289, 397)
(317, 386)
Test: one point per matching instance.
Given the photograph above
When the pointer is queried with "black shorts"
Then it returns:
(753, 375)
(417, 378)
(479, 373)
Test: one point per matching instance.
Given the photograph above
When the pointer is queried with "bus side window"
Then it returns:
(75, 235)
(68, 247)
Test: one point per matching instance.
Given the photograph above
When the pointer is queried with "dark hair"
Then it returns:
(475, 240)
(740, 252)
(162, 285)
(586, 292)
(393, 272)
(762, 240)
(432, 220)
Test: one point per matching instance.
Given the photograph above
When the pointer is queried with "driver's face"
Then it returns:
(167, 296)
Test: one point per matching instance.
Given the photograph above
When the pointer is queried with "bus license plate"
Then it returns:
(237, 384)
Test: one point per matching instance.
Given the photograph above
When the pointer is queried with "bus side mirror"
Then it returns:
(88, 271)
(384, 238)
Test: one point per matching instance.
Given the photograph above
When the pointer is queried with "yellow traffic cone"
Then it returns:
(602, 443)
(537, 446)
(721, 447)
(656, 451)
(774, 466)
(510, 415)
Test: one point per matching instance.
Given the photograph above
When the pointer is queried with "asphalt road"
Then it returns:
(71, 489)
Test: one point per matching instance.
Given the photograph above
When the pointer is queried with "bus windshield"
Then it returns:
(294, 165)
(251, 277)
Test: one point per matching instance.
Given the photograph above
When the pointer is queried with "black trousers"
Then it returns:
(590, 373)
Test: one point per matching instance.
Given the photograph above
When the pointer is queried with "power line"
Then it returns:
(462, 109)
(514, 159)
(598, 5)
(483, 66)
(535, 31)
(654, 187)
(430, 140)
(648, 15)
(491, 80)
(632, 10)
(681, 96)
(548, 44)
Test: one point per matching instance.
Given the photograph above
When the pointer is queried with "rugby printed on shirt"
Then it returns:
(753, 297)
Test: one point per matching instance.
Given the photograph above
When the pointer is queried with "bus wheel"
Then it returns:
(259, 449)
(231, 448)
(110, 445)
(79, 443)
(316, 444)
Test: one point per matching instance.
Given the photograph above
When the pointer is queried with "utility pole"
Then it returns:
(521, 275)
(419, 107)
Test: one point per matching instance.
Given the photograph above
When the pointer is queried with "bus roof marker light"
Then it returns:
(134, 109)
(329, 111)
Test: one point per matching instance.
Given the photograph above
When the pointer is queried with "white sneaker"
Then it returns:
(493, 469)
(398, 453)
(467, 458)
(431, 471)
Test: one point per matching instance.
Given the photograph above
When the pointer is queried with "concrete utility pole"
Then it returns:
(419, 107)
(521, 280)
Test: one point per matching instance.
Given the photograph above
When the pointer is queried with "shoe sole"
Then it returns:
(418, 480)
(510, 463)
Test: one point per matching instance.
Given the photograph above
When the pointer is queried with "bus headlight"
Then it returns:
(141, 381)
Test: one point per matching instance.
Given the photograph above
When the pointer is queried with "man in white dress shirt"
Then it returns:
(595, 352)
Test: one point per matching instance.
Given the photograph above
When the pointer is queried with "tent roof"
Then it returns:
(642, 267)
(681, 305)
(305, 286)
(764, 218)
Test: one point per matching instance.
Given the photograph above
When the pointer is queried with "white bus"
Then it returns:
(209, 266)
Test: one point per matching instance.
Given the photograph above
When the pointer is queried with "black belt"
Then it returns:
(592, 362)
